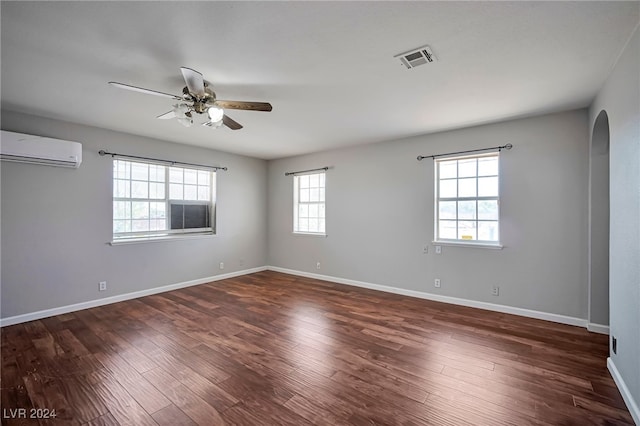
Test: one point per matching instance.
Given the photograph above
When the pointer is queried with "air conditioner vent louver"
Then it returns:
(414, 58)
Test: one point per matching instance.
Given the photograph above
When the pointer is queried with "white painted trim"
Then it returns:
(563, 319)
(121, 297)
(632, 405)
(598, 328)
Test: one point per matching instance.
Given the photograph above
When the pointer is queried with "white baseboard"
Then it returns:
(632, 405)
(120, 298)
(563, 319)
(598, 328)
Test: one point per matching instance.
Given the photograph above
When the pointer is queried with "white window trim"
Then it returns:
(459, 242)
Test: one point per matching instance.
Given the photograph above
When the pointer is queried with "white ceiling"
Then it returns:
(326, 67)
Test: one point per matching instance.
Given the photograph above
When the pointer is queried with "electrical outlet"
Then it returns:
(221, 265)
(102, 286)
(317, 265)
(495, 290)
(614, 344)
(438, 249)
(436, 283)
(425, 248)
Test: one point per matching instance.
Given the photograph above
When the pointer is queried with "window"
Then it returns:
(308, 204)
(467, 199)
(152, 200)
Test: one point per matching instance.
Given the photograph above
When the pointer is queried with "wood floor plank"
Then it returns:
(270, 348)
(182, 397)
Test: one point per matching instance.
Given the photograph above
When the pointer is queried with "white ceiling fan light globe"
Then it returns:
(215, 113)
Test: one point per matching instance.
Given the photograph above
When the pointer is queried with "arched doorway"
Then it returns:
(599, 224)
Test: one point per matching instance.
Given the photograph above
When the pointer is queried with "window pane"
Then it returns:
(488, 187)
(447, 229)
(314, 181)
(175, 191)
(467, 209)
(139, 210)
(314, 194)
(467, 230)
(304, 195)
(313, 225)
(140, 225)
(303, 210)
(121, 188)
(139, 189)
(321, 179)
(175, 175)
(448, 188)
(204, 177)
(321, 226)
(321, 195)
(121, 210)
(157, 210)
(190, 192)
(448, 169)
(488, 231)
(467, 187)
(467, 168)
(488, 209)
(303, 225)
(190, 176)
(447, 210)
(156, 190)
(304, 181)
(156, 173)
(139, 171)
(313, 210)
(321, 210)
(121, 169)
(157, 225)
(488, 166)
(121, 226)
(204, 193)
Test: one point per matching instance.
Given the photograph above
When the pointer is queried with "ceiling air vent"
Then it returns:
(414, 58)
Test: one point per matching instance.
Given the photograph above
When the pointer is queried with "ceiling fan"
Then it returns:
(197, 99)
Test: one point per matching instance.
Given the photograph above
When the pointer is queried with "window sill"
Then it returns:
(472, 245)
(309, 234)
(159, 239)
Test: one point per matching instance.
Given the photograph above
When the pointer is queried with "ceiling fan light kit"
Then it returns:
(198, 97)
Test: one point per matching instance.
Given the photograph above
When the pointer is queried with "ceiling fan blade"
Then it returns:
(141, 90)
(249, 106)
(167, 115)
(194, 80)
(231, 123)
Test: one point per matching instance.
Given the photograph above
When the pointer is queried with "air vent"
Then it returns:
(415, 58)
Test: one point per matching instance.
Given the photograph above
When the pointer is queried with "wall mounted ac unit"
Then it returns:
(22, 148)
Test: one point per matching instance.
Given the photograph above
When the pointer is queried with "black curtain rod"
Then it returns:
(306, 171)
(499, 148)
(172, 163)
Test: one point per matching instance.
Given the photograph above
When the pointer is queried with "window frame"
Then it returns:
(437, 199)
(297, 203)
(167, 233)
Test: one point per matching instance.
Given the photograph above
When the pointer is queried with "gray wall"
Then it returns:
(380, 214)
(56, 222)
(620, 98)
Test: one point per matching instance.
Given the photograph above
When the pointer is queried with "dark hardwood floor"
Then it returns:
(272, 349)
